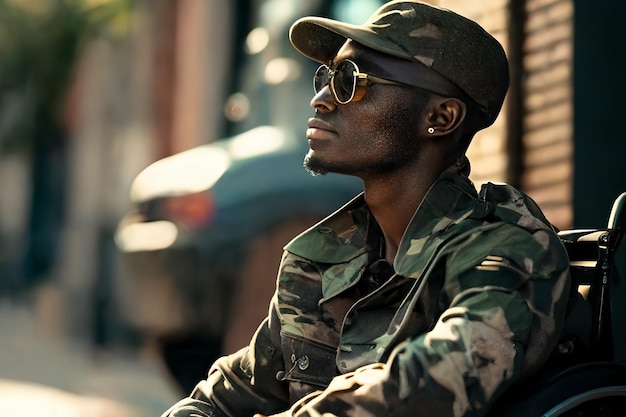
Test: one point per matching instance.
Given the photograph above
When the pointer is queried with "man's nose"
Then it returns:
(323, 100)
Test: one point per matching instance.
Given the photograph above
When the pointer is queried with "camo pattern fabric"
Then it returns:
(474, 300)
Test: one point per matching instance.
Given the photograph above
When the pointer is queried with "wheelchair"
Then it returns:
(585, 377)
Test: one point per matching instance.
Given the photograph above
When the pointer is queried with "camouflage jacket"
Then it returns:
(474, 301)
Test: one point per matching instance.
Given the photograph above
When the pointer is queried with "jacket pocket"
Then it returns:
(307, 361)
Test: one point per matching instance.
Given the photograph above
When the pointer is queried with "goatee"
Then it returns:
(314, 166)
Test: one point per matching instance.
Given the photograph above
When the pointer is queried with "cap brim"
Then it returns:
(319, 38)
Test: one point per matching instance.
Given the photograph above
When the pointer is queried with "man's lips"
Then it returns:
(319, 130)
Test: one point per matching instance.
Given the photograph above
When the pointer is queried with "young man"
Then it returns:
(420, 296)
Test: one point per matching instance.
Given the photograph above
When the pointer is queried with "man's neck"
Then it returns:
(393, 203)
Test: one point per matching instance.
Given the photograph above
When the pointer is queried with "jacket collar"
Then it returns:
(352, 231)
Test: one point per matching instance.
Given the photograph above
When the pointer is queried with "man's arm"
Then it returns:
(243, 383)
(470, 355)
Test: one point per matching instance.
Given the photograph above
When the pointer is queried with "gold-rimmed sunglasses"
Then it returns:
(346, 82)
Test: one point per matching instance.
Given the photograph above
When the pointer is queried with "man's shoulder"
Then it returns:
(499, 220)
(514, 206)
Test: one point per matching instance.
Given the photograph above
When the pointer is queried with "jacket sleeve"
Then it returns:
(503, 318)
(243, 383)
(456, 367)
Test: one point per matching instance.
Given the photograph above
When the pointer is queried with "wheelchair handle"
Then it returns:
(617, 218)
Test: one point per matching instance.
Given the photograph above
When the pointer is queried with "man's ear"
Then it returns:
(446, 115)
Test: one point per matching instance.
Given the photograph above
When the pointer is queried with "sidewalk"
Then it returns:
(43, 375)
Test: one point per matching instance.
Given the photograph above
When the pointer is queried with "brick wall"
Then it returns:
(547, 122)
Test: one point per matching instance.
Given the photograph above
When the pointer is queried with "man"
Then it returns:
(419, 297)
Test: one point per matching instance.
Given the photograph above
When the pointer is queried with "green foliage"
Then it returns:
(40, 41)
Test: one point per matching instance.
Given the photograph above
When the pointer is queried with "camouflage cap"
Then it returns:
(453, 46)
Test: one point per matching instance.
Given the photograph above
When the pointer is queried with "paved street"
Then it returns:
(43, 375)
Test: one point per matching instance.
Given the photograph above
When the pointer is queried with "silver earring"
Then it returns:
(431, 130)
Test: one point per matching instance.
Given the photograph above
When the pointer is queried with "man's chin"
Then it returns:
(314, 166)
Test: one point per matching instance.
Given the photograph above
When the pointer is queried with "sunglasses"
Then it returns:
(346, 82)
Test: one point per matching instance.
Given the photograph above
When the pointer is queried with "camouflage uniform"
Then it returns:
(473, 302)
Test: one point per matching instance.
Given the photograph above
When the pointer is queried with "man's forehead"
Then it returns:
(349, 50)
(363, 56)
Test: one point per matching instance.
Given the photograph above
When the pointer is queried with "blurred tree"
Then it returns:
(40, 43)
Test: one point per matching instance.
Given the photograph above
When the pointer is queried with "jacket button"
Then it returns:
(303, 363)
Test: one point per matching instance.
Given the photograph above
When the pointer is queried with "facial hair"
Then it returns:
(314, 166)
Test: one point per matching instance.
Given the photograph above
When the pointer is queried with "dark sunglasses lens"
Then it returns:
(344, 81)
(321, 78)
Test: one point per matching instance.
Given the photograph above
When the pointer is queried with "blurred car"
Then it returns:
(202, 245)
